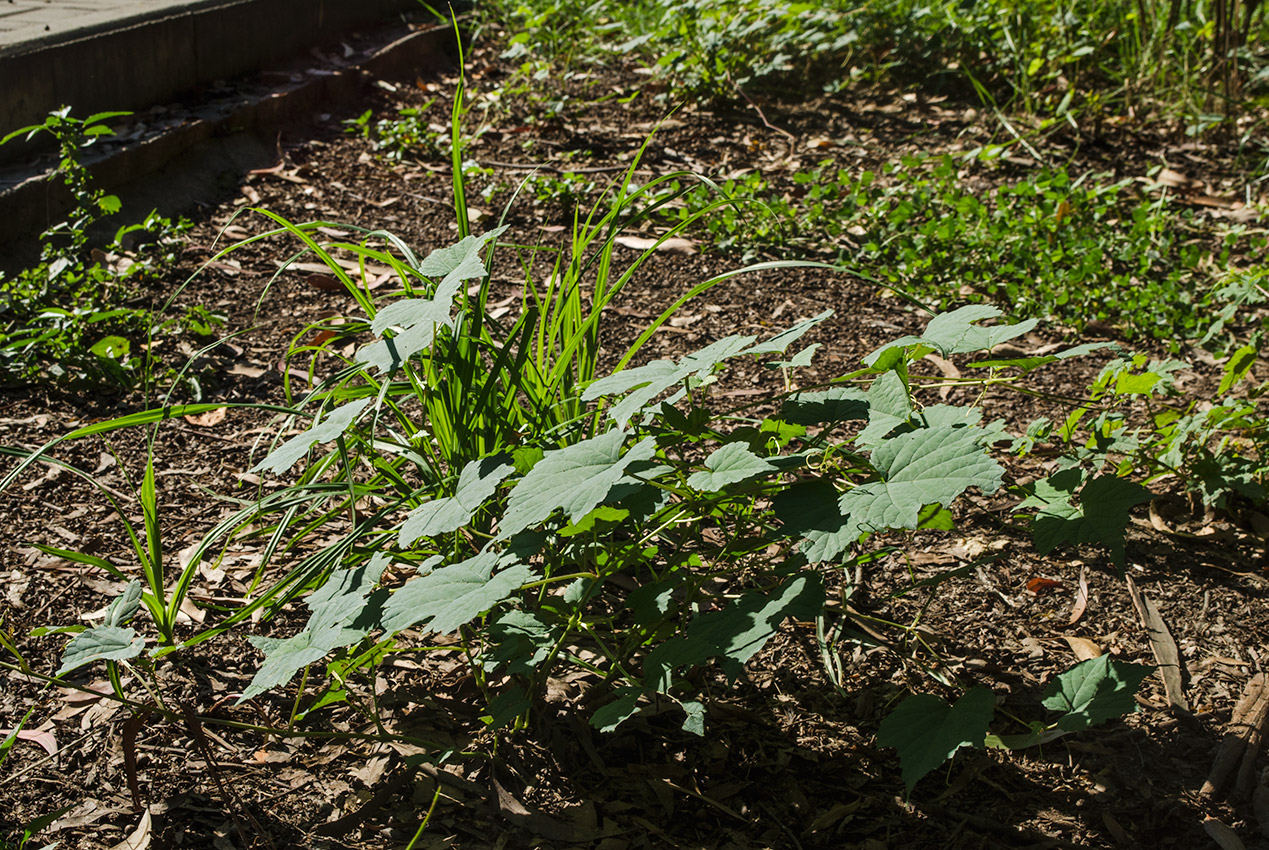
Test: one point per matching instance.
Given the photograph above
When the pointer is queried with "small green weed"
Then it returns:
(407, 135)
(67, 319)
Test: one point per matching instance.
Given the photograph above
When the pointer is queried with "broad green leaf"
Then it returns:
(506, 707)
(694, 722)
(575, 478)
(644, 383)
(621, 709)
(334, 425)
(340, 616)
(927, 731)
(736, 633)
(1239, 364)
(1101, 516)
(103, 643)
(802, 359)
(445, 261)
(889, 406)
(519, 642)
(125, 605)
(418, 319)
(1094, 691)
(779, 343)
(809, 510)
(918, 468)
(728, 465)
(649, 602)
(476, 483)
(838, 404)
(453, 595)
(956, 333)
(111, 347)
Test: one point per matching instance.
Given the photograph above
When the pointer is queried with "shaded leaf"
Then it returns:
(1101, 516)
(809, 510)
(612, 715)
(927, 731)
(889, 406)
(1094, 691)
(838, 404)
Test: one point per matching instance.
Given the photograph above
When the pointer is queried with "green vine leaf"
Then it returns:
(956, 333)
(340, 616)
(1094, 691)
(476, 483)
(451, 596)
(838, 404)
(736, 633)
(889, 407)
(927, 731)
(728, 465)
(779, 343)
(809, 510)
(644, 383)
(918, 468)
(1101, 516)
(610, 716)
(333, 426)
(103, 643)
(575, 478)
(125, 605)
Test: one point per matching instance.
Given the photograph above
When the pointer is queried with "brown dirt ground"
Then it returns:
(790, 760)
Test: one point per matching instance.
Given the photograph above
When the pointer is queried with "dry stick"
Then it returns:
(1249, 714)
(230, 796)
(1258, 727)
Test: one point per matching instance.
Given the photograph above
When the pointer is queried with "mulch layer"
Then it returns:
(789, 759)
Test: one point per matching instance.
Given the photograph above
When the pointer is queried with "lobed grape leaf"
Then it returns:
(646, 382)
(334, 425)
(918, 468)
(956, 333)
(809, 510)
(728, 465)
(838, 404)
(340, 616)
(476, 483)
(1101, 516)
(889, 406)
(779, 343)
(102, 643)
(450, 596)
(125, 605)
(927, 731)
(1094, 691)
(575, 478)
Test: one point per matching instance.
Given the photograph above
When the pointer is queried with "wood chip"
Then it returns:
(1250, 714)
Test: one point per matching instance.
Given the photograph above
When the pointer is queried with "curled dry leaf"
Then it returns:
(36, 736)
(1038, 585)
(1081, 598)
(209, 419)
(673, 245)
(1083, 648)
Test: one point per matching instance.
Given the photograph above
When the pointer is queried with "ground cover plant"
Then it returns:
(533, 523)
(72, 317)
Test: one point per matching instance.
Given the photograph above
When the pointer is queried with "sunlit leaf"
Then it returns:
(103, 643)
(1094, 691)
(451, 596)
(728, 465)
(334, 425)
(476, 483)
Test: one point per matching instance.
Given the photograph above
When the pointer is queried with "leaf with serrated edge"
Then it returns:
(837, 404)
(476, 483)
(955, 332)
(779, 343)
(728, 465)
(927, 731)
(809, 510)
(336, 620)
(644, 383)
(453, 595)
(103, 643)
(621, 709)
(334, 425)
(1106, 503)
(918, 468)
(125, 605)
(1094, 691)
(888, 407)
(443, 261)
(736, 633)
(575, 478)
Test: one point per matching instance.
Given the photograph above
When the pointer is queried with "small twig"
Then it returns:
(793, 140)
(227, 794)
(515, 166)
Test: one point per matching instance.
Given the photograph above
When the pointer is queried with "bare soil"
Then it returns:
(789, 759)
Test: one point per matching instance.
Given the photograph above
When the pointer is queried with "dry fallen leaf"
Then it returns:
(324, 282)
(209, 419)
(1225, 837)
(1038, 585)
(36, 736)
(1083, 648)
(673, 245)
(140, 837)
(1081, 598)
